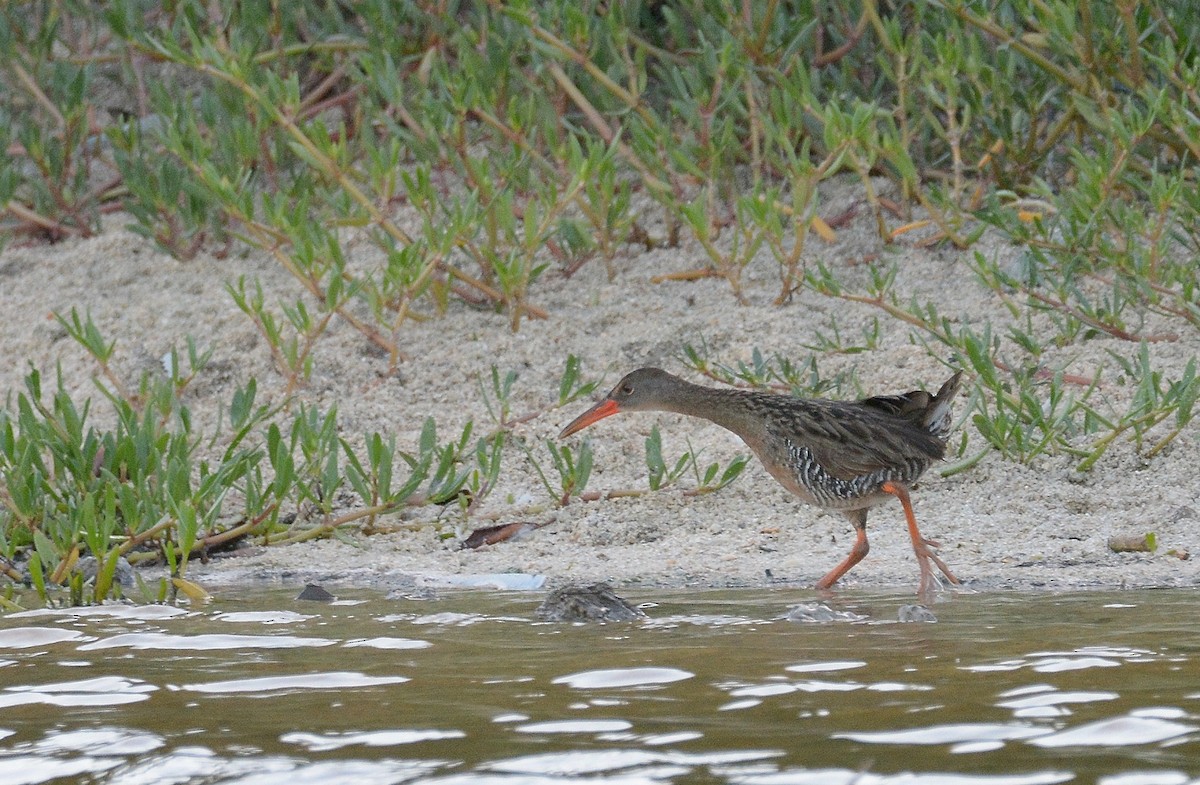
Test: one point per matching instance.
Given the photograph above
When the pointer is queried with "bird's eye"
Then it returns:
(627, 389)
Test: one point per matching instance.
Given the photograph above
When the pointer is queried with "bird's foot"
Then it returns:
(929, 581)
(922, 546)
(945, 570)
(932, 555)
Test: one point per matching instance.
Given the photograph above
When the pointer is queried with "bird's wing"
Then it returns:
(849, 441)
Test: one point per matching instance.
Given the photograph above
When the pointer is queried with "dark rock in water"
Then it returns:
(916, 613)
(597, 602)
(819, 612)
(122, 575)
(315, 593)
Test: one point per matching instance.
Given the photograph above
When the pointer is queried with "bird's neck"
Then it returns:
(731, 409)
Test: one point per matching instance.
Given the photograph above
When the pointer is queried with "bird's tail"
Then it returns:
(937, 418)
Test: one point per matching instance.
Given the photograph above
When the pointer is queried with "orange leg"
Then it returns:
(860, 549)
(921, 546)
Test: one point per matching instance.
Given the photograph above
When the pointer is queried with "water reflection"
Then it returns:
(1042, 700)
(575, 726)
(1117, 732)
(849, 777)
(323, 742)
(283, 684)
(101, 691)
(388, 643)
(471, 688)
(197, 764)
(36, 637)
(622, 677)
(1080, 659)
(161, 640)
(115, 610)
(264, 617)
(949, 734)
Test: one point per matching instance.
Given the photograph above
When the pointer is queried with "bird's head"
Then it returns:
(645, 388)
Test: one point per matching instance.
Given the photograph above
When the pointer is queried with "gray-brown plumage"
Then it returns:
(841, 455)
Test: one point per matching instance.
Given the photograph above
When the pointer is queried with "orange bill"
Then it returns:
(605, 408)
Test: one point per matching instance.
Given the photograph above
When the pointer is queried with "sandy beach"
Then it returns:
(1001, 525)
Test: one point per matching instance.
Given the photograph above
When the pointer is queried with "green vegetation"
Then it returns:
(514, 138)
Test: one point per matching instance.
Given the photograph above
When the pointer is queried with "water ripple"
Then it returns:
(388, 643)
(70, 754)
(264, 617)
(452, 619)
(948, 734)
(32, 637)
(333, 680)
(762, 690)
(699, 620)
(820, 685)
(855, 777)
(1147, 778)
(102, 741)
(738, 705)
(324, 742)
(575, 763)
(114, 610)
(1116, 732)
(102, 691)
(194, 764)
(575, 726)
(1049, 703)
(623, 677)
(824, 667)
(24, 771)
(660, 739)
(212, 642)
(1058, 662)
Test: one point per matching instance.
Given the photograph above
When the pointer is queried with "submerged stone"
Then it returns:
(916, 613)
(819, 612)
(597, 602)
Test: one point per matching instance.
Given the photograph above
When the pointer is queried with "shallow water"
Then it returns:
(1003, 689)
